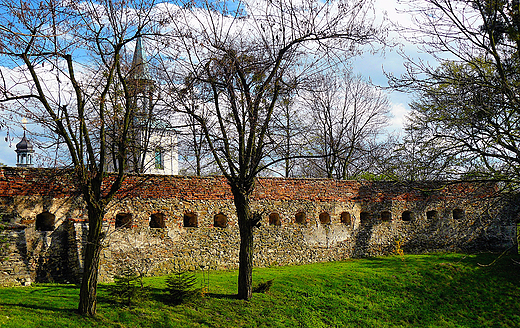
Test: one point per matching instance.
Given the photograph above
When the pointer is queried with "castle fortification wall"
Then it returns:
(162, 223)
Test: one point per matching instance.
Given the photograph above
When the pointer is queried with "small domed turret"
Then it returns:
(24, 151)
(24, 144)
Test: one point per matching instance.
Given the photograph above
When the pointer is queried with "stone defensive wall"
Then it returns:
(157, 224)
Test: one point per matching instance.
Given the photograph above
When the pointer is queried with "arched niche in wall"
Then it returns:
(407, 216)
(458, 214)
(191, 220)
(432, 215)
(124, 220)
(386, 216)
(300, 218)
(220, 220)
(157, 220)
(324, 218)
(45, 221)
(345, 218)
(364, 217)
(274, 219)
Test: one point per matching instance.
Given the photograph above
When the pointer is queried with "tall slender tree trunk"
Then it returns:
(88, 291)
(245, 269)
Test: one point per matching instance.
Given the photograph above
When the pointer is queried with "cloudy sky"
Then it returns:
(369, 66)
(372, 66)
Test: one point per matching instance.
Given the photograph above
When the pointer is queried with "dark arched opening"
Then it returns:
(157, 220)
(123, 220)
(45, 221)
(220, 221)
(274, 219)
(345, 218)
(386, 216)
(458, 214)
(300, 218)
(432, 215)
(407, 216)
(191, 220)
(325, 218)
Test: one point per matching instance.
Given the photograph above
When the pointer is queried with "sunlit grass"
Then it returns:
(443, 290)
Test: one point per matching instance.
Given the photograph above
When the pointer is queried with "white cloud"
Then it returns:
(399, 116)
(7, 154)
(395, 11)
(371, 66)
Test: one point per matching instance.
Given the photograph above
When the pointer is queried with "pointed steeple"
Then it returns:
(139, 70)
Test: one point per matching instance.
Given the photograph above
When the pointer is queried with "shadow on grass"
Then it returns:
(52, 287)
(162, 296)
(158, 295)
(71, 311)
(222, 296)
(478, 260)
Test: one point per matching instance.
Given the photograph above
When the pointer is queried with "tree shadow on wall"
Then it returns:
(504, 210)
(362, 240)
(52, 261)
(21, 247)
(481, 229)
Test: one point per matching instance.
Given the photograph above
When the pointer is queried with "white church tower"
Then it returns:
(153, 147)
(157, 137)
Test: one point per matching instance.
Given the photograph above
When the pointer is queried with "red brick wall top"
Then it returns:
(59, 183)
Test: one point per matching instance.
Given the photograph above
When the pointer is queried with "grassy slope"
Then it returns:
(447, 290)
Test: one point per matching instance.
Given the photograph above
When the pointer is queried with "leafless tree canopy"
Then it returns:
(348, 116)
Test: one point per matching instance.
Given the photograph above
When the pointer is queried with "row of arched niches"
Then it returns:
(46, 221)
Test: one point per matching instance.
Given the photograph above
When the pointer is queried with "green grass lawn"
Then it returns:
(441, 290)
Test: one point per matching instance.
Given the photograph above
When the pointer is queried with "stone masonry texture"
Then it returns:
(158, 224)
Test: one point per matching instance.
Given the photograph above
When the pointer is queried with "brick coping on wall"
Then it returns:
(58, 183)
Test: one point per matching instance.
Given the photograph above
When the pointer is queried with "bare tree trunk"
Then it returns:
(88, 290)
(245, 270)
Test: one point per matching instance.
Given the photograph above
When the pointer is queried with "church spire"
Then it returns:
(139, 70)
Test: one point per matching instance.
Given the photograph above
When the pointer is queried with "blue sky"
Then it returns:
(371, 66)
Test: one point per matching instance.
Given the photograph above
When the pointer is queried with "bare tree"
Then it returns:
(290, 135)
(61, 60)
(348, 117)
(194, 149)
(195, 152)
(242, 60)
